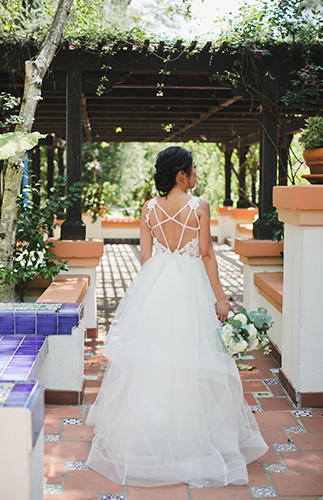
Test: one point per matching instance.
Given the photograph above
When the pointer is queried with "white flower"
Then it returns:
(253, 344)
(152, 203)
(239, 347)
(241, 317)
(194, 202)
(252, 331)
(227, 330)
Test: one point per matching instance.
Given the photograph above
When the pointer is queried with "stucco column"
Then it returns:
(301, 209)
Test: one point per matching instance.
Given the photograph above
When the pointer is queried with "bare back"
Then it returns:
(174, 223)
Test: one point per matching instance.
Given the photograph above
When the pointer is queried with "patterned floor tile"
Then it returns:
(112, 497)
(302, 413)
(91, 377)
(294, 429)
(77, 466)
(276, 468)
(199, 483)
(248, 356)
(271, 381)
(253, 408)
(51, 438)
(263, 492)
(285, 447)
(274, 370)
(52, 489)
(263, 394)
(72, 421)
(89, 354)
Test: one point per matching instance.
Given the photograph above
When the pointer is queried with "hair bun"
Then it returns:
(169, 162)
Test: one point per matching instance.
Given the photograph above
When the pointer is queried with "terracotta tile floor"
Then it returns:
(292, 469)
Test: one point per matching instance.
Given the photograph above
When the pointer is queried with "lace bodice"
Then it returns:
(192, 248)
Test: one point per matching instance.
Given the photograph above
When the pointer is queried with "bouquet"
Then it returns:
(244, 331)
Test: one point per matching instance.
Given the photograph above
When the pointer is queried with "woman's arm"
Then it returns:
(146, 240)
(223, 306)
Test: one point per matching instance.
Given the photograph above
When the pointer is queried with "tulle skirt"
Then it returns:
(171, 405)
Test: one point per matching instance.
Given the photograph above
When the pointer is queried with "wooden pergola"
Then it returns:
(195, 105)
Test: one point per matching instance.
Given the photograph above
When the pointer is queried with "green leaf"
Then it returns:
(17, 142)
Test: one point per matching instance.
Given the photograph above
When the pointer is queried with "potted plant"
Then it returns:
(312, 139)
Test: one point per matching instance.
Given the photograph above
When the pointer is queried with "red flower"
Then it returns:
(305, 83)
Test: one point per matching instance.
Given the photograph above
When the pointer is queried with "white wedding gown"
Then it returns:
(171, 405)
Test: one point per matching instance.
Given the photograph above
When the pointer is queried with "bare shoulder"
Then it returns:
(204, 207)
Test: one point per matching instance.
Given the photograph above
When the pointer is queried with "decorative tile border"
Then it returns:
(91, 377)
(302, 413)
(274, 370)
(285, 447)
(275, 468)
(34, 318)
(263, 492)
(72, 421)
(294, 429)
(89, 354)
(263, 394)
(30, 305)
(199, 483)
(248, 356)
(52, 489)
(51, 438)
(77, 466)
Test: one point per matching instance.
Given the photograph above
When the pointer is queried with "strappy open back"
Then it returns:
(191, 248)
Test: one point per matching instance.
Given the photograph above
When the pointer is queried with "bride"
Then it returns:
(171, 405)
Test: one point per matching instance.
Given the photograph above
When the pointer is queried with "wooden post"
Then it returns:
(263, 228)
(227, 166)
(36, 171)
(50, 164)
(284, 144)
(1, 181)
(61, 171)
(243, 201)
(73, 228)
(61, 166)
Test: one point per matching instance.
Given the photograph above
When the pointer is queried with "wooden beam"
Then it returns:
(203, 117)
(292, 127)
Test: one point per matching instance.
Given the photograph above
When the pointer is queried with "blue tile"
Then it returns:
(25, 321)
(36, 404)
(6, 322)
(46, 323)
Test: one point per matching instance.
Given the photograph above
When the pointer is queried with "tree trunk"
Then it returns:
(34, 74)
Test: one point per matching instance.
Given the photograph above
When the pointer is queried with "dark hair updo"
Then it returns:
(169, 162)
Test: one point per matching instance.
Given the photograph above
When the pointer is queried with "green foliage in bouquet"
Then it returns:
(247, 331)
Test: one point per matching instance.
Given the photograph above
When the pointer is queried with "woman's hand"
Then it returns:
(223, 306)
